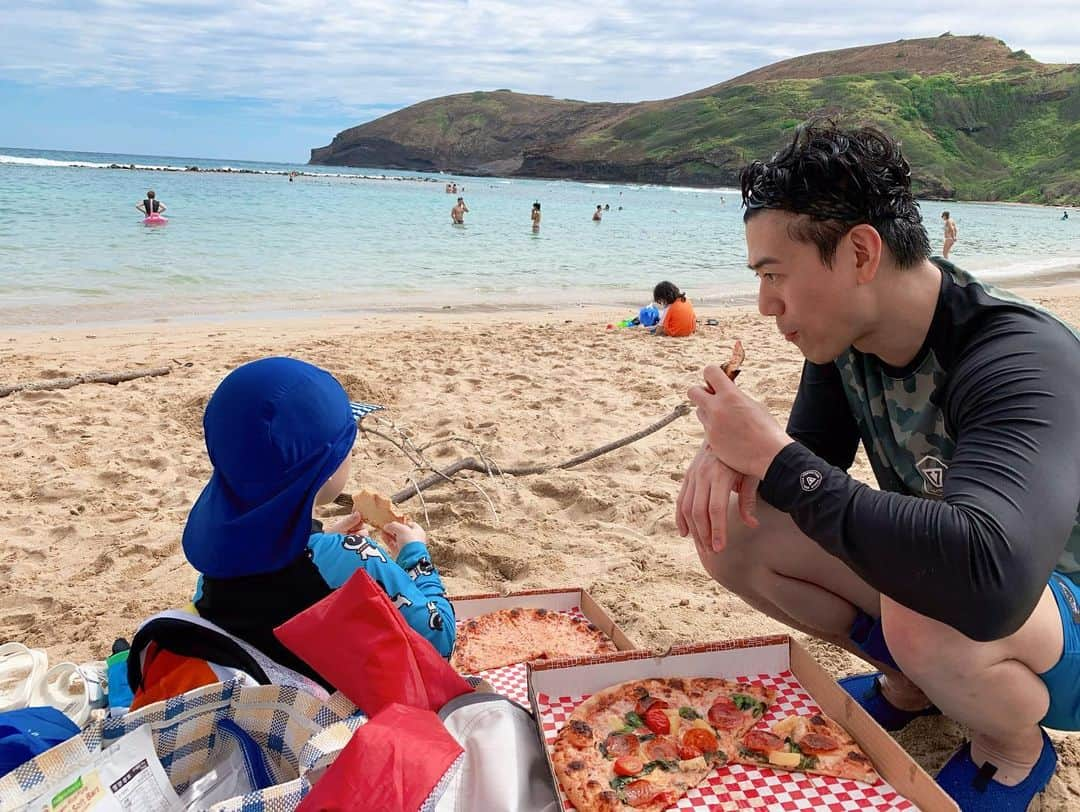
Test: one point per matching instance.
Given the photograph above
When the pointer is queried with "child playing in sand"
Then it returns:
(279, 433)
(677, 316)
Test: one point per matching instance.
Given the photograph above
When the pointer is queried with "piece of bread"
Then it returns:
(376, 510)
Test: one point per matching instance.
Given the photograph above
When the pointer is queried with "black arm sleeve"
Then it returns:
(821, 418)
(979, 559)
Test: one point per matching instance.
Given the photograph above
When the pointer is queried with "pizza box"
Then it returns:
(555, 687)
(566, 599)
(511, 680)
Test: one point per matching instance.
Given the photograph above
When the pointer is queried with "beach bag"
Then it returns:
(504, 768)
(276, 735)
(357, 640)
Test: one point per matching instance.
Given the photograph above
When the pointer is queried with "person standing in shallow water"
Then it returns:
(598, 214)
(951, 232)
(151, 205)
(457, 214)
(536, 217)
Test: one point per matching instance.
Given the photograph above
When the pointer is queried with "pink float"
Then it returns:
(155, 219)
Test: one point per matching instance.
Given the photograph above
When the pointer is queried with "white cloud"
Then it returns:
(357, 54)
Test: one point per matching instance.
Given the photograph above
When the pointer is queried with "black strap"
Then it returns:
(190, 640)
(982, 778)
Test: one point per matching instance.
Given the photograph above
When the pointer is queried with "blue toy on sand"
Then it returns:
(648, 316)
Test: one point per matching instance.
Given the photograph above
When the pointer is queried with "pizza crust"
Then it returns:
(376, 510)
(732, 366)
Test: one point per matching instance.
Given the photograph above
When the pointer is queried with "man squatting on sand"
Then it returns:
(957, 580)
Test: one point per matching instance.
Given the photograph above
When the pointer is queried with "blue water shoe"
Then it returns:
(974, 788)
(866, 690)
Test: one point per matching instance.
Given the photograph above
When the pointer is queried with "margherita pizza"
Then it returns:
(810, 744)
(520, 635)
(643, 744)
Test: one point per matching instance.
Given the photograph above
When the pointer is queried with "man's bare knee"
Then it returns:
(744, 556)
(925, 647)
(756, 562)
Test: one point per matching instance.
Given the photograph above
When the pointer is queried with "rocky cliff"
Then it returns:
(978, 121)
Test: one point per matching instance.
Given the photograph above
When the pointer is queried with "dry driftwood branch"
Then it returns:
(486, 466)
(93, 377)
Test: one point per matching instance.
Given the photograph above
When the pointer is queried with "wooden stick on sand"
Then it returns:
(93, 377)
(487, 467)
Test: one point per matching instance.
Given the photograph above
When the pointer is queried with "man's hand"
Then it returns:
(702, 507)
(739, 431)
(397, 535)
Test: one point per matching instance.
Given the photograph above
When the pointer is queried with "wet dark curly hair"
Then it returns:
(840, 178)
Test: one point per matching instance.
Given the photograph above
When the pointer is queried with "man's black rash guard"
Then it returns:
(976, 446)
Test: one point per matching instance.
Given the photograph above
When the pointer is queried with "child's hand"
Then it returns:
(346, 525)
(397, 535)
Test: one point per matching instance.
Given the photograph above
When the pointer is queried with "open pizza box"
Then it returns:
(556, 687)
(511, 680)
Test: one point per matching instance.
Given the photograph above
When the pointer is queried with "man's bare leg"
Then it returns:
(783, 573)
(993, 688)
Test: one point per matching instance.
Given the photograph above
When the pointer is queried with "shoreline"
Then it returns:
(420, 175)
(1062, 280)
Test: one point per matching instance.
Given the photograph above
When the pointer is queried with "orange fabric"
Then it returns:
(166, 675)
(679, 320)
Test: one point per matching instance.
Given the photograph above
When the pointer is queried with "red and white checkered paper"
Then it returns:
(739, 786)
(512, 681)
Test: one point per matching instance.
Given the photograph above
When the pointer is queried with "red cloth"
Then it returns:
(359, 642)
(392, 764)
(166, 674)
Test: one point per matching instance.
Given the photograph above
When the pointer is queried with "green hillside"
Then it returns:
(977, 121)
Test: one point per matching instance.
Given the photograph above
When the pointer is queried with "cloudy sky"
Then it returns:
(269, 79)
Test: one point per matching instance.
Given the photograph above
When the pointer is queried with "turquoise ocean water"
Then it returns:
(74, 250)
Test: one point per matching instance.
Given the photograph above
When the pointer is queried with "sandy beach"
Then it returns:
(98, 479)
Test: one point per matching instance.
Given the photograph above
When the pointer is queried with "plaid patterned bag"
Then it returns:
(296, 731)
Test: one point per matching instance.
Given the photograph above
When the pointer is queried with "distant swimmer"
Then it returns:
(607, 207)
(1064, 215)
(598, 214)
(951, 232)
(151, 205)
(457, 214)
(536, 217)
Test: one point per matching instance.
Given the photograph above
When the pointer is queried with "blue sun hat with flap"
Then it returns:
(276, 430)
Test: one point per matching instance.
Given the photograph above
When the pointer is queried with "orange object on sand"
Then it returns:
(167, 674)
(680, 320)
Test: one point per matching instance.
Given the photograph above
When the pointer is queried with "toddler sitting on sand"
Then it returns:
(279, 433)
(677, 316)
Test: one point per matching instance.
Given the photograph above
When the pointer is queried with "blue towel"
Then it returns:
(29, 732)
